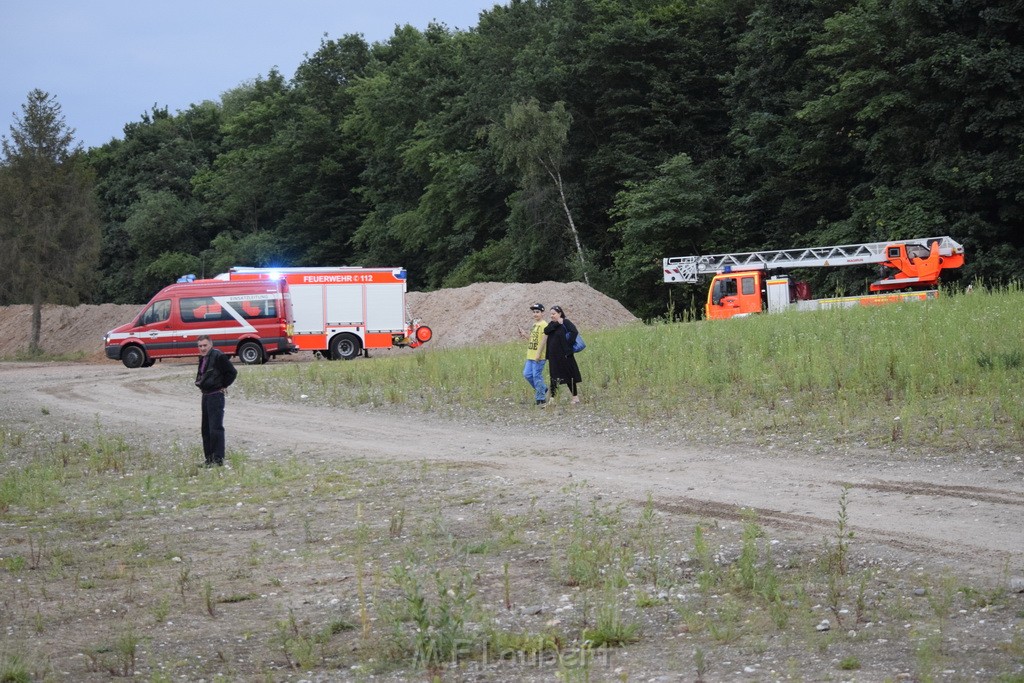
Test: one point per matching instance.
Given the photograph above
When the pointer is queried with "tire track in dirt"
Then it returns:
(824, 528)
(975, 493)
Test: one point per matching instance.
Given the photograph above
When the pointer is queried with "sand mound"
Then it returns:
(492, 312)
(484, 313)
(65, 329)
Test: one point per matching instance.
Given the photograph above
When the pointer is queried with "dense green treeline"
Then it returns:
(559, 138)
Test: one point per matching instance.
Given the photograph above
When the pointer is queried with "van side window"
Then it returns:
(157, 313)
(199, 309)
(266, 308)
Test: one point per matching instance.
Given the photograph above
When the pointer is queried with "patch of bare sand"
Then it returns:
(483, 313)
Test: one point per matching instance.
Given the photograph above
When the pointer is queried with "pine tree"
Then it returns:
(48, 220)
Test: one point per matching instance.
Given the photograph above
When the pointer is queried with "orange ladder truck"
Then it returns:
(741, 284)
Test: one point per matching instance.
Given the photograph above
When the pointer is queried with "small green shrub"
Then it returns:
(14, 668)
(439, 634)
(610, 628)
(849, 663)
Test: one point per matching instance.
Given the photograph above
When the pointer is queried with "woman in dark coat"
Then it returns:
(561, 335)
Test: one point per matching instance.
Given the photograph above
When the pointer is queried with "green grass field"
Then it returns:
(946, 374)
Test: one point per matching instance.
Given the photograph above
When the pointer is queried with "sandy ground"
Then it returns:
(948, 510)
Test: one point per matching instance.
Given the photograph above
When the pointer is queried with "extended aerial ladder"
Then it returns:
(739, 286)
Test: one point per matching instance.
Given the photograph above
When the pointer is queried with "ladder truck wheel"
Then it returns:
(345, 347)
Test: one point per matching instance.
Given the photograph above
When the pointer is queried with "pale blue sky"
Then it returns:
(109, 61)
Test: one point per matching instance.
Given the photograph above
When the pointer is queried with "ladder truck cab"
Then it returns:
(741, 284)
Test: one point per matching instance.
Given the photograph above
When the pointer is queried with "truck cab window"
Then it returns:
(723, 288)
(748, 286)
(916, 251)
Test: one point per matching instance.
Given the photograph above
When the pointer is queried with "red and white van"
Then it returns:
(251, 320)
(341, 311)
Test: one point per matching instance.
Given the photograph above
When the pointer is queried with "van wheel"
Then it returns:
(133, 357)
(344, 347)
(250, 353)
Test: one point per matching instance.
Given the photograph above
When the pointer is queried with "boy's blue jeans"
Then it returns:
(533, 371)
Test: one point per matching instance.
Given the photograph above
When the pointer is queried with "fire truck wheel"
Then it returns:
(250, 353)
(133, 356)
(344, 347)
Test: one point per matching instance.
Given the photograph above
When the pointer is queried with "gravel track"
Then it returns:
(951, 510)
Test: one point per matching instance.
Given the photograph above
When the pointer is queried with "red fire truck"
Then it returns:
(344, 310)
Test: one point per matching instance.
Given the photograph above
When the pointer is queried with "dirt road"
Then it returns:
(955, 511)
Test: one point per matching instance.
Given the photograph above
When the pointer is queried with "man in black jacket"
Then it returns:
(216, 373)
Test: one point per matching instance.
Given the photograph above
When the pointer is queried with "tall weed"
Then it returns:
(439, 633)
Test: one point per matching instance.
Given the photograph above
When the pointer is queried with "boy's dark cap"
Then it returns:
(537, 307)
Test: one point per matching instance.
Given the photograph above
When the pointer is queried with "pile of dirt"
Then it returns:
(495, 312)
(484, 313)
(65, 329)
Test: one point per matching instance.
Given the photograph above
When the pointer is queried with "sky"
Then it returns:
(108, 62)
